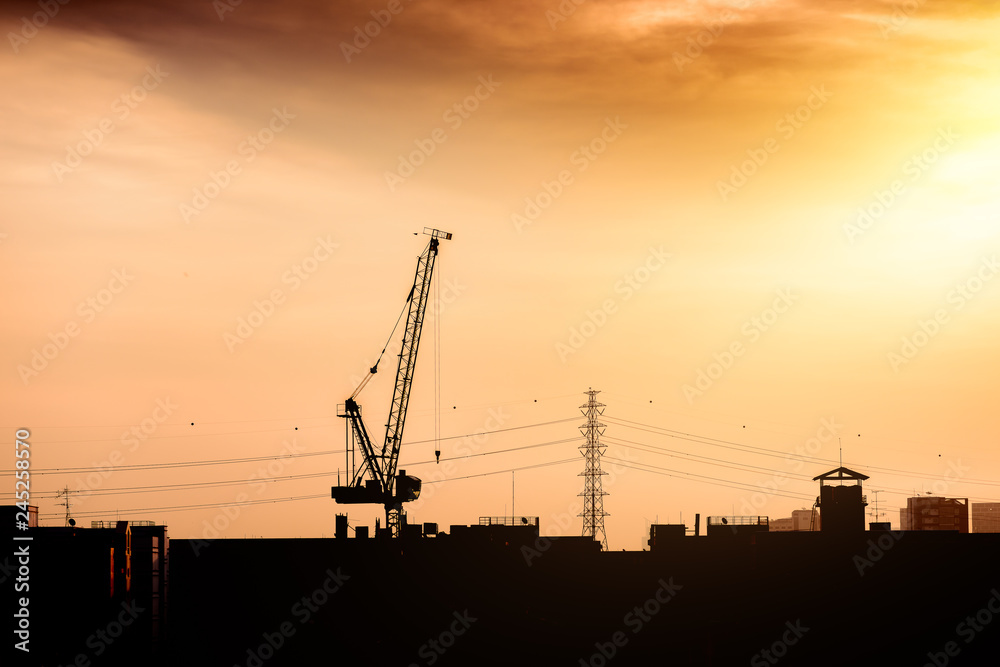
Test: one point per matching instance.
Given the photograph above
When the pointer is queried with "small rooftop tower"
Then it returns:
(841, 507)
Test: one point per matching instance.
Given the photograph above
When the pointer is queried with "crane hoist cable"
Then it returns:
(374, 369)
(436, 311)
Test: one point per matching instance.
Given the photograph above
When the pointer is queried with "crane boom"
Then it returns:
(408, 354)
(376, 480)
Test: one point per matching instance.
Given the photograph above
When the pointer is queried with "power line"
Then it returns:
(499, 430)
(181, 508)
(183, 435)
(222, 483)
(668, 472)
(642, 446)
(649, 448)
(730, 420)
(118, 490)
(751, 449)
(178, 464)
(237, 421)
(652, 449)
(707, 459)
(496, 451)
(726, 444)
(291, 420)
(185, 508)
(283, 430)
(219, 483)
(498, 472)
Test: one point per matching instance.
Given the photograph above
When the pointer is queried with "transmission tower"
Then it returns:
(593, 495)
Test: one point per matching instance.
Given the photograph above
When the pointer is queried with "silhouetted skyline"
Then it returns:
(765, 230)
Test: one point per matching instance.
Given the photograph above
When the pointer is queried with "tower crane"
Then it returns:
(376, 480)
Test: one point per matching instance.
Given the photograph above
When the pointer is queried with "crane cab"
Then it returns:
(407, 487)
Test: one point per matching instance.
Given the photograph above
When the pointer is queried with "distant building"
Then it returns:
(782, 525)
(801, 520)
(935, 513)
(806, 520)
(986, 517)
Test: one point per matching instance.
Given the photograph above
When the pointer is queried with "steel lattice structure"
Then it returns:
(593, 494)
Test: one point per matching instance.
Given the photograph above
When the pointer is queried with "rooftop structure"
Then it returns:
(842, 506)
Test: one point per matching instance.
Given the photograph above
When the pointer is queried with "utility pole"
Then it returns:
(511, 493)
(876, 512)
(593, 495)
(65, 493)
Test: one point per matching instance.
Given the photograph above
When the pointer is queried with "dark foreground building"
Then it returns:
(83, 596)
(502, 595)
(876, 598)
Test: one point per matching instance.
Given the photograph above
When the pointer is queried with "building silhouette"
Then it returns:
(801, 520)
(842, 507)
(935, 513)
(986, 517)
(96, 595)
(504, 590)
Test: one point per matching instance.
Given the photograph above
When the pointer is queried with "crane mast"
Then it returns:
(376, 480)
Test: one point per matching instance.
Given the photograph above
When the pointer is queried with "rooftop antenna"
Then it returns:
(65, 493)
(512, 512)
(840, 444)
(876, 492)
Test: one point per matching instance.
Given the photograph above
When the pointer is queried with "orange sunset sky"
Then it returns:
(756, 227)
